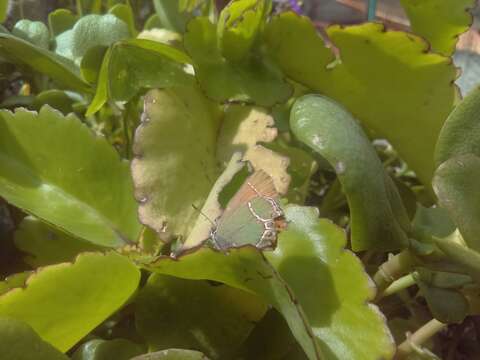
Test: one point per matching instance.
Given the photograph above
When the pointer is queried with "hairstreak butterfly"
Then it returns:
(253, 216)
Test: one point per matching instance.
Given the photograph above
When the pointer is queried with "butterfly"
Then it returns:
(253, 216)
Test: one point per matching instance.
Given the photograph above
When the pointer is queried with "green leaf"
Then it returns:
(147, 64)
(91, 30)
(460, 134)
(34, 32)
(253, 80)
(172, 354)
(439, 21)
(131, 65)
(247, 269)
(101, 93)
(57, 99)
(462, 255)
(47, 245)
(247, 129)
(446, 305)
(170, 15)
(174, 165)
(434, 221)
(331, 286)
(20, 342)
(300, 168)
(14, 281)
(75, 297)
(270, 339)
(47, 158)
(378, 218)
(153, 22)
(118, 349)
(372, 60)
(238, 27)
(212, 318)
(61, 20)
(92, 63)
(456, 186)
(3, 10)
(124, 12)
(59, 69)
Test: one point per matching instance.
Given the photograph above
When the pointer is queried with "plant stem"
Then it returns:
(392, 269)
(418, 338)
(398, 285)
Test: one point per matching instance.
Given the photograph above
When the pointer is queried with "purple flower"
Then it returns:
(295, 6)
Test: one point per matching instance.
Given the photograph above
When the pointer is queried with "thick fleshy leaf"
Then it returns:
(59, 69)
(124, 12)
(57, 99)
(92, 62)
(74, 298)
(47, 158)
(118, 349)
(174, 165)
(61, 20)
(14, 281)
(332, 287)
(47, 245)
(372, 60)
(141, 63)
(244, 129)
(238, 26)
(301, 167)
(247, 269)
(439, 21)
(172, 354)
(91, 30)
(271, 339)
(20, 342)
(179, 313)
(446, 305)
(34, 32)
(378, 218)
(460, 134)
(129, 66)
(457, 188)
(467, 258)
(251, 81)
(433, 221)
(170, 16)
(3, 10)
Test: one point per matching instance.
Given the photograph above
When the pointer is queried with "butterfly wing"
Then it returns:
(259, 184)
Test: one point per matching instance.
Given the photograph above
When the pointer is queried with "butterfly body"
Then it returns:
(253, 216)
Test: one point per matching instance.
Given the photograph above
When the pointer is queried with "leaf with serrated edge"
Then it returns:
(253, 81)
(47, 158)
(243, 129)
(332, 287)
(372, 60)
(47, 245)
(167, 309)
(439, 21)
(174, 165)
(64, 302)
(247, 269)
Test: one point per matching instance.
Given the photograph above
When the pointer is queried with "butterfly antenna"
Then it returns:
(205, 216)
